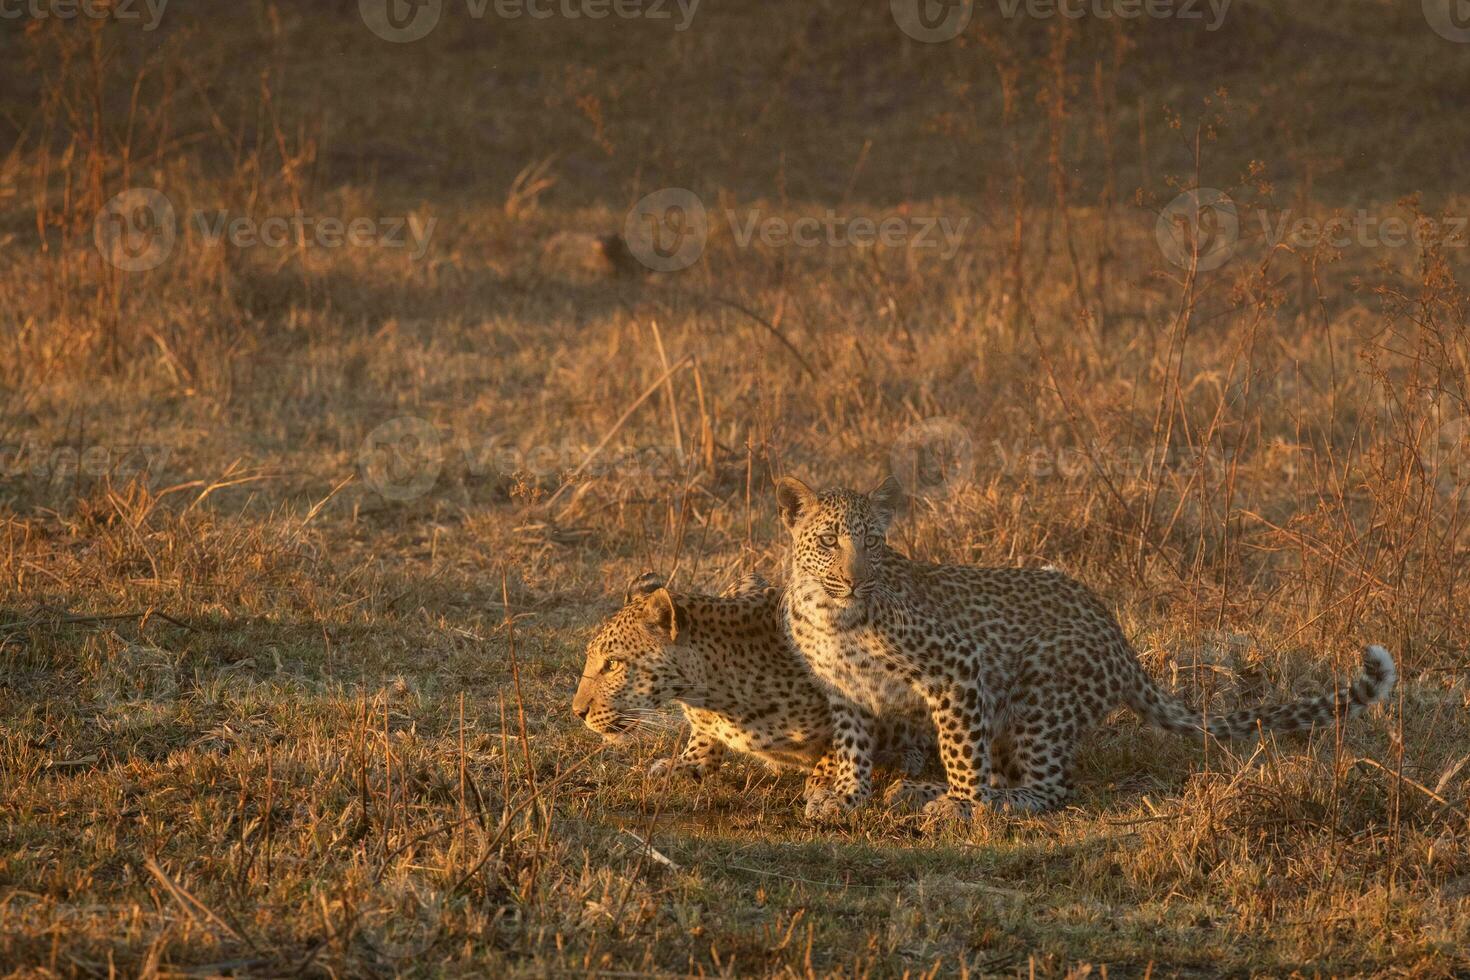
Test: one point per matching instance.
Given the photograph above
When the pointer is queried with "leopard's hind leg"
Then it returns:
(910, 794)
(1043, 730)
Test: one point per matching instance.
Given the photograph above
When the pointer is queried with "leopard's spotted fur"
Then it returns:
(729, 664)
(1013, 665)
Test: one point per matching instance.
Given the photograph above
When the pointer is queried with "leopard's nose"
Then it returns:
(580, 710)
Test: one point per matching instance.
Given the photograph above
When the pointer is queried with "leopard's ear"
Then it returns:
(661, 612)
(886, 498)
(795, 499)
(642, 586)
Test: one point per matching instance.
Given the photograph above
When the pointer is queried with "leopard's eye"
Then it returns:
(827, 540)
(873, 540)
(610, 665)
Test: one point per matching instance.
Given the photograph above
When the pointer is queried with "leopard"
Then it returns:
(728, 663)
(1015, 666)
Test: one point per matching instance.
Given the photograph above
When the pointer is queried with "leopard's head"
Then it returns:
(637, 662)
(838, 538)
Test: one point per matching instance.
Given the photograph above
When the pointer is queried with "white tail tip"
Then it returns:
(1379, 666)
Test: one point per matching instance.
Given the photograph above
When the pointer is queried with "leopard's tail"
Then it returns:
(1169, 713)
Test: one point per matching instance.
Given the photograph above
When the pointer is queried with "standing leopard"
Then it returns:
(1015, 666)
(728, 663)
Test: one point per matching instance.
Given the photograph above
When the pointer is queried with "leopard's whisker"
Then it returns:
(652, 719)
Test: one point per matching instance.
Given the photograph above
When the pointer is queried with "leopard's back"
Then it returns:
(1015, 666)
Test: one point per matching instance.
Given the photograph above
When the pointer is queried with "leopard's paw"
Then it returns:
(908, 796)
(825, 806)
(946, 811)
(674, 766)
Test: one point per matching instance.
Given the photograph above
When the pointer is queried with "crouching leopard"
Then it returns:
(1015, 666)
(728, 663)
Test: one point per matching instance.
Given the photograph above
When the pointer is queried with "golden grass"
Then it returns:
(258, 717)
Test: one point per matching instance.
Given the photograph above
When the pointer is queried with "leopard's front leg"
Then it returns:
(850, 763)
(962, 721)
(701, 756)
(820, 778)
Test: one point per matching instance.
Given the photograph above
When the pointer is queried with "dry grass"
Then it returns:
(256, 717)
